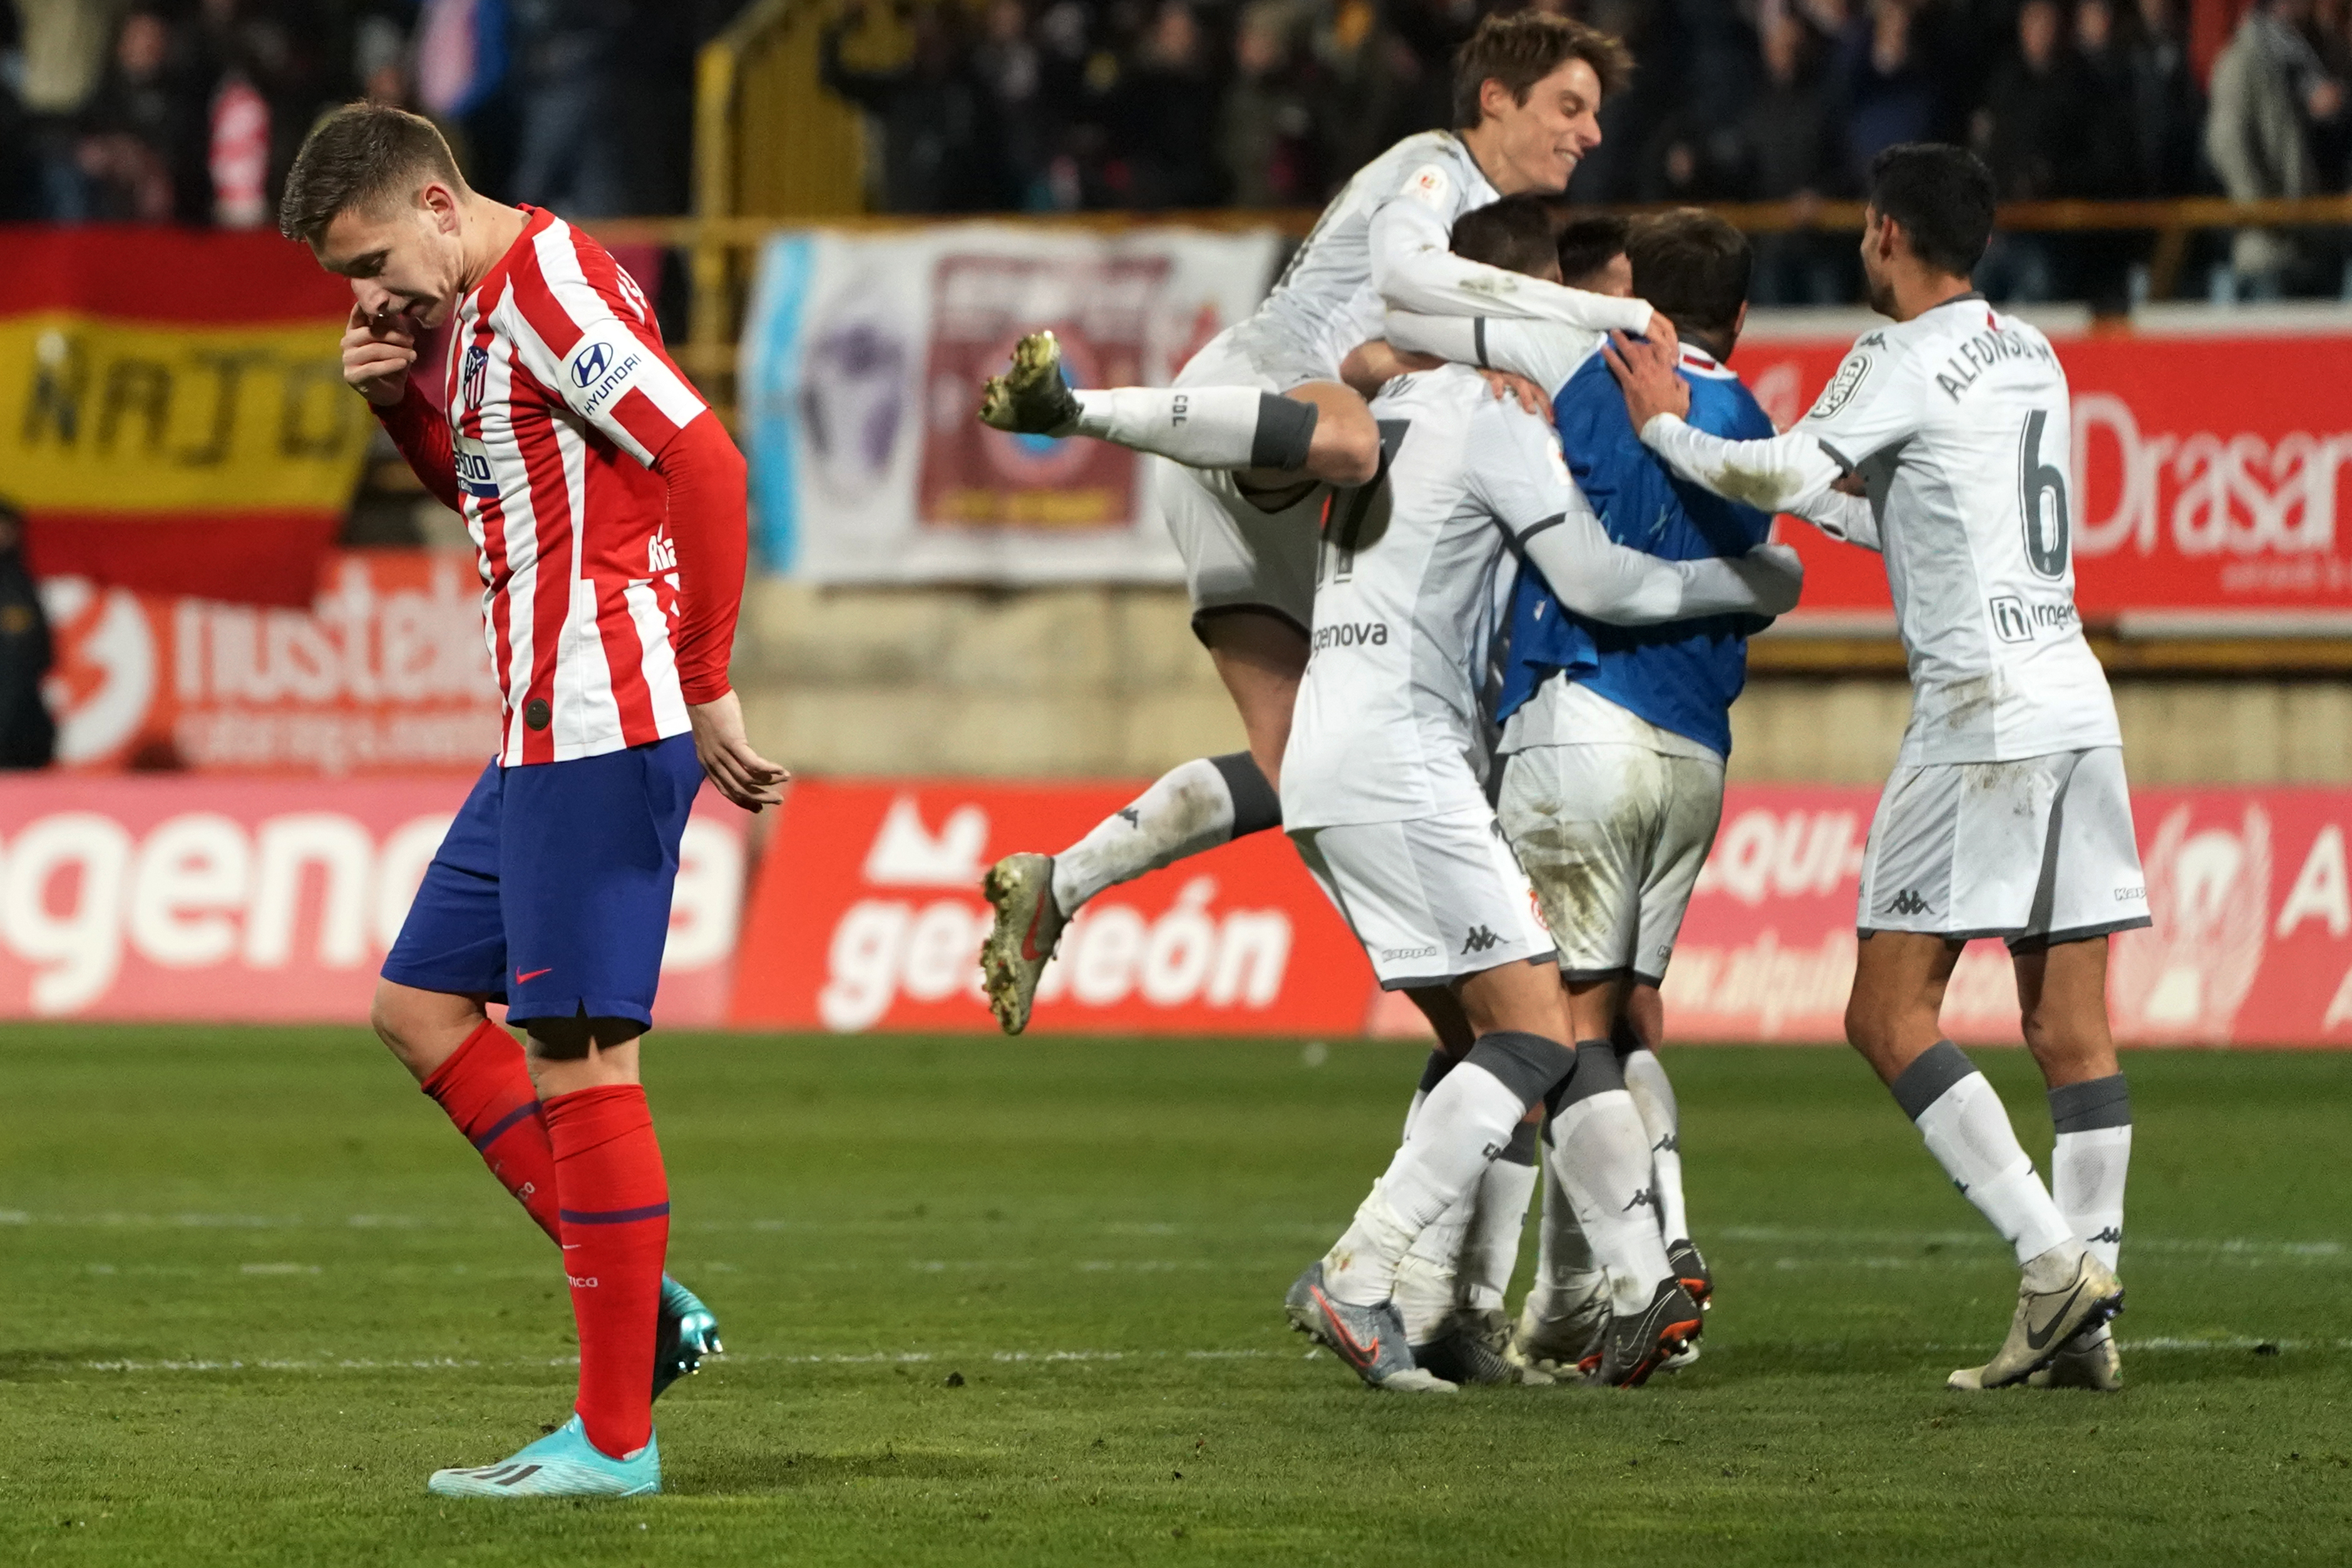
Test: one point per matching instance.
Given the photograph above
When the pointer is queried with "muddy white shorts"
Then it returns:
(1612, 836)
(1237, 555)
(2039, 851)
(1431, 900)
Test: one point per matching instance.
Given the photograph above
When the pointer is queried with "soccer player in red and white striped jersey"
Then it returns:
(608, 503)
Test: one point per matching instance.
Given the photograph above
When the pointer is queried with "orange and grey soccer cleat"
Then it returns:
(1635, 1347)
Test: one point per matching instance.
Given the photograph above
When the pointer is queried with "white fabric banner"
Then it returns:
(861, 365)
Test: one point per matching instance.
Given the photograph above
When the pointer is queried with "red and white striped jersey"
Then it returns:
(559, 398)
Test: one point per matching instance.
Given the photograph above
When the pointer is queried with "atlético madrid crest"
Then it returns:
(476, 376)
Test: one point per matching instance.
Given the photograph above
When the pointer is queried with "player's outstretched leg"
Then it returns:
(1602, 1153)
(1194, 807)
(1231, 427)
(485, 1088)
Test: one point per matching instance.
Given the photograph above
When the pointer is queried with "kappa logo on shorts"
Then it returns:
(1479, 940)
(1907, 902)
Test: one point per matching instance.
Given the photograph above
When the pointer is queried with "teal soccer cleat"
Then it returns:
(564, 1463)
(685, 1333)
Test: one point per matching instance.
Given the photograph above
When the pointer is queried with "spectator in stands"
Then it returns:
(2268, 90)
(1264, 129)
(1789, 143)
(1167, 117)
(2168, 109)
(28, 736)
(141, 150)
(567, 91)
(63, 44)
(1008, 65)
(1890, 96)
(2031, 133)
(941, 151)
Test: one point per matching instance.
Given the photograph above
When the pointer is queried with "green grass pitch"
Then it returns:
(1019, 1302)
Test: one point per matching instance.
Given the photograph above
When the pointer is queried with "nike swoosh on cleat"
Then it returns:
(522, 979)
(2037, 1341)
(1029, 937)
(1348, 1345)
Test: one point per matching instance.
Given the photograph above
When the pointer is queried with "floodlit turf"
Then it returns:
(1018, 1303)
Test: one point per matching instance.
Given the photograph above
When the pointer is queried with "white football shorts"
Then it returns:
(1612, 836)
(1236, 554)
(1431, 900)
(2039, 851)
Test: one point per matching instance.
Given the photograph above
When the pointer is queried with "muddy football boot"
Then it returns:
(1028, 925)
(2056, 1300)
(1031, 398)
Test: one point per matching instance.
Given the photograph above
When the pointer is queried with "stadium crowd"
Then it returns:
(190, 109)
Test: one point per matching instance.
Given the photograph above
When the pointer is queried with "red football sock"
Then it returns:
(486, 1088)
(615, 1229)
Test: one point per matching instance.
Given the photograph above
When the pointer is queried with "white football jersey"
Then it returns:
(1960, 424)
(1389, 723)
(1383, 241)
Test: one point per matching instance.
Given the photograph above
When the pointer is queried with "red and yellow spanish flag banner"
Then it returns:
(172, 416)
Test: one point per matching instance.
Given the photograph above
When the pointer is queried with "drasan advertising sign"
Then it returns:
(868, 916)
(269, 900)
(2206, 474)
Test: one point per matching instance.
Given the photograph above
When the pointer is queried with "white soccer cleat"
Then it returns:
(1551, 1345)
(2055, 1301)
(1028, 926)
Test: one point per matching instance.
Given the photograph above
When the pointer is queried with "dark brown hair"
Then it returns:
(1693, 267)
(361, 155)
(1589, 244)
(1514, 234)
(1520, 50)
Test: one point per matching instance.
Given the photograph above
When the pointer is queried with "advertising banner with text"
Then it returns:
(862, 359)
(385, 671)
(867, 916)
(271, 900)
(172, 412)
(2207, 477)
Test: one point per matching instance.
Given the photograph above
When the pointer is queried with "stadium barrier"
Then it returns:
(235, 900)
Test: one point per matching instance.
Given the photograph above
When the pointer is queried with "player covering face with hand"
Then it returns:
(1263, 424)
(607, 506)
(1383, 792)
(2007, 814)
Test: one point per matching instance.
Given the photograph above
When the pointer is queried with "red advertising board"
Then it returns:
(385, 673)
(867, 915)
(269, 900)
(2208, 475)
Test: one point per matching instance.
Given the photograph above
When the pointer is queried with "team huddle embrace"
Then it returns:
(1477, 522)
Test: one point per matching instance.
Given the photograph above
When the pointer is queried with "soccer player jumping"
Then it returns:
(2007, 814)
(1263, 422)
(607, 504)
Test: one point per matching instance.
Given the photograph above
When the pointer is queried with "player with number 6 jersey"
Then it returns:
(2007, 814)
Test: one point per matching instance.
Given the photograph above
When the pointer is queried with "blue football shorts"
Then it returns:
(551, 892)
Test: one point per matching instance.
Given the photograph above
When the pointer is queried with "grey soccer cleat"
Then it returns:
(1637, 1347)
(1031, 398)
(1554, 1345)
(1028, 926)
(685, 1333)
(1691, 1270)
(1470, 1349)
(2055, 1301)
(2088, 1360)
(1370, 1339)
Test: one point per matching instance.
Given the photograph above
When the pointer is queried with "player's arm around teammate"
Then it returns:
(607, 506)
